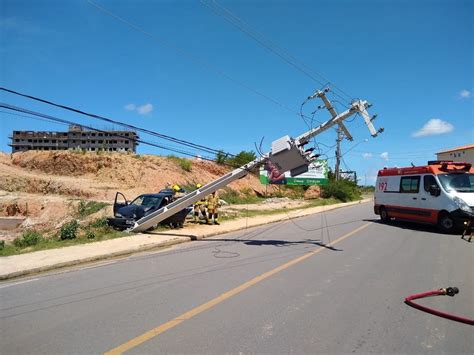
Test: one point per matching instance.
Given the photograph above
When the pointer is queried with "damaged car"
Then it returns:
(126, 213)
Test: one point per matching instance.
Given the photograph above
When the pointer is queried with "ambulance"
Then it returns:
(440, 193)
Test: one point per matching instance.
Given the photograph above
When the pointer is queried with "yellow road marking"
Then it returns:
(205, 306)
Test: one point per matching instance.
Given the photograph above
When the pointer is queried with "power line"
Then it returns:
(271, 46)
(34, 118)
(49, 120)
(109, 120)
(189, 56)
(63, 121)
(416, 152)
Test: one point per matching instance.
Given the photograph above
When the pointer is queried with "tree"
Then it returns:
(242, 158)
(221, 157)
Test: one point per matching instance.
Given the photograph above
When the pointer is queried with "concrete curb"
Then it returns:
(177, 238)
(86, 260)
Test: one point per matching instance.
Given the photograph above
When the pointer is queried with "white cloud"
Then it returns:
(367, 156)
(464, 94)
(384, 156)
(433, 127)
(145, 109)
(142, 110)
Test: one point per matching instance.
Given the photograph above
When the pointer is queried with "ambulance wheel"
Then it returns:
(446, 222)
(384, 215)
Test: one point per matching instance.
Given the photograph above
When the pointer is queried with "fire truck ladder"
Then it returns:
(287, 154)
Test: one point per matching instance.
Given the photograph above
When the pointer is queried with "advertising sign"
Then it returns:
(316, 175)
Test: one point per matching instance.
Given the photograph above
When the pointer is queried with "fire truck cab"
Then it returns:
(440, 193)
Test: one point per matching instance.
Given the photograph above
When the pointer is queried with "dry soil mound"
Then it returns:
(56, 181)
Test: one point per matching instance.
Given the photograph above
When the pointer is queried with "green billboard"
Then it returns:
(317, 174)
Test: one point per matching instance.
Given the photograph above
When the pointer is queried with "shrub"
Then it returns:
(100, 223)
(221, 157)
(29, 238)
(343, 190)
(185, 164)
(2, 244)
(90, 234)
(242, 158)
(69, 230)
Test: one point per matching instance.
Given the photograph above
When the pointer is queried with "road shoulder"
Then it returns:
(31, 263)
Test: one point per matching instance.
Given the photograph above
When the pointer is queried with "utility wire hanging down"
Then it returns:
(287, 154)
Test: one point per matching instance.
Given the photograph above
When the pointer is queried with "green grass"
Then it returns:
(183, 163)
(86, 234)
(254, 213)
(234, 198)
(99, 231)
(86, 208)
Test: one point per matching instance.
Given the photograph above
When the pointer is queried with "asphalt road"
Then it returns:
(275, 289)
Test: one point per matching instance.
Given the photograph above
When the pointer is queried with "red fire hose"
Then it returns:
(450, 291)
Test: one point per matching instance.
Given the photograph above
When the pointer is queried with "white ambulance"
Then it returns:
(440, 193)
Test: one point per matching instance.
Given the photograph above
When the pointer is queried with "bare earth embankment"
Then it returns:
(45, 188)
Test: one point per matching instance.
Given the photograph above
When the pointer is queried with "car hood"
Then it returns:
(133, 211)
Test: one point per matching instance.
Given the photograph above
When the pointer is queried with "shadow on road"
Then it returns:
(414, 226)
(190, 236)
(274, 242)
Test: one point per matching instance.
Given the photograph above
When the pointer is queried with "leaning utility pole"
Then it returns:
(341, 129)
(337, 169)
(287, 154)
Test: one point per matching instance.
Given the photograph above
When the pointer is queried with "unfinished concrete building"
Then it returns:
(75, 138)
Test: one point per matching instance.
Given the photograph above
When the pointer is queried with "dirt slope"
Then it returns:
(45, 187)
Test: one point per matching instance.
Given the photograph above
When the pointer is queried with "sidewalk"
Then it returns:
(40, 261)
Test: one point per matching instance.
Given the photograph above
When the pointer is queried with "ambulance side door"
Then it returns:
(430, 199)
(409, 198)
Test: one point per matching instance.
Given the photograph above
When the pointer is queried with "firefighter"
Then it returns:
(212, 206)
(178, 191)
(468, 229)
(200, 206)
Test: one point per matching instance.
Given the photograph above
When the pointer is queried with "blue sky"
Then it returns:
(189, 73)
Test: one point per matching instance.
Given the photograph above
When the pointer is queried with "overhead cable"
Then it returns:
(109, 120)
(60, 120)
(282, 53)
(66, 123)
(207, 65)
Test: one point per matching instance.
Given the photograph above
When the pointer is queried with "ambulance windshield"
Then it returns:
(457, 182)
